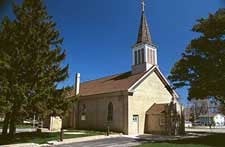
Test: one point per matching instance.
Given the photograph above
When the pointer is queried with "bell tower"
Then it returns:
(144, 52)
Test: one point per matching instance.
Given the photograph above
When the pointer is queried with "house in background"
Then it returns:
(133, 102)
(212, 119)
(205, 120)
(218, 120)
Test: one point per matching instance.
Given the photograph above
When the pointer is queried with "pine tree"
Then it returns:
(7, 29)
(36, 68)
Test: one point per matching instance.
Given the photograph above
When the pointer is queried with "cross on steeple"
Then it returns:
(143, 5)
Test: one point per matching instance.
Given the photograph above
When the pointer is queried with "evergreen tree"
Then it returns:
(35, 60)
(202, 65)
(7, 29)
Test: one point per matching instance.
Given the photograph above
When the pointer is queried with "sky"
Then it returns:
(99, 34)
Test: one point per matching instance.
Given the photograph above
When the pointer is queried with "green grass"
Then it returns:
(41, 138)
(212, 140)
(19, 126)
(170, 145)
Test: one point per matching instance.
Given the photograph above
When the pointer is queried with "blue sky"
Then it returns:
(98, 34)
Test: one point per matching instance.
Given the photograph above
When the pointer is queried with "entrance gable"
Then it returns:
(152, 86)
(144, 94)
(160, 79)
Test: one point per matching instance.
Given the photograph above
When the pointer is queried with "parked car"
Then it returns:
(188, 124)
(197, 123)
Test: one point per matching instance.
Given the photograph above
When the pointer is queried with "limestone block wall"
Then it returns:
(96, 111)
(150, 91)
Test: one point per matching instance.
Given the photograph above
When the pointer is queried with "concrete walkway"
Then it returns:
(107, 142)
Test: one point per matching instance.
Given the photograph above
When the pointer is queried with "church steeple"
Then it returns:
(144, 52)
(144, 35)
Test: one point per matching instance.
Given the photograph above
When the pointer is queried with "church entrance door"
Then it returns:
(136, 123)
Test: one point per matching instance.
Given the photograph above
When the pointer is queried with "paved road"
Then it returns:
(207, 130)
(112, 142)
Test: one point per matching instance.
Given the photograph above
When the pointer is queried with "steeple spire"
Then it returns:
(144, 33)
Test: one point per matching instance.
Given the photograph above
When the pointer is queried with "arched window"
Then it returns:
(83, 112)
(110, 112)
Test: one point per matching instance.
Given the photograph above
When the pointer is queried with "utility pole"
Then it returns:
(209, 123)
(34, 121)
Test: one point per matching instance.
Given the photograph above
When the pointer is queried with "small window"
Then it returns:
(135, 118)
(110, 112)
(83, 117)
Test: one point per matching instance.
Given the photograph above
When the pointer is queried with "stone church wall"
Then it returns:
(150, 91)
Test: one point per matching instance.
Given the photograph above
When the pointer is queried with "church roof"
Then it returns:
(144, 35)
(119, 82)
(157, 109)
(114, 83)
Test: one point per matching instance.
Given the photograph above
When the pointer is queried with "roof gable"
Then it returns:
(161, 77)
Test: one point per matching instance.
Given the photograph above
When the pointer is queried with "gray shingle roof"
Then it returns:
(144, 35)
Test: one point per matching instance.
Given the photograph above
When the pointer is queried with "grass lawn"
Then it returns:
(170, 145)
(41, 138)
(19, 126)
(213, 140)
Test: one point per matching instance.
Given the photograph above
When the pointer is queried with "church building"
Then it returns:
(135, 102)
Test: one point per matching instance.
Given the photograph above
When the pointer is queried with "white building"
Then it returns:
(218, 120)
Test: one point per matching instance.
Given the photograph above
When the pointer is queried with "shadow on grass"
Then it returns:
(41, 138)
(215, 140)
(212, 140)
(29, 137)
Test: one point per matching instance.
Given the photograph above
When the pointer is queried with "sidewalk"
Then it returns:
(206, 130)
(65, 141)
(82, 139)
